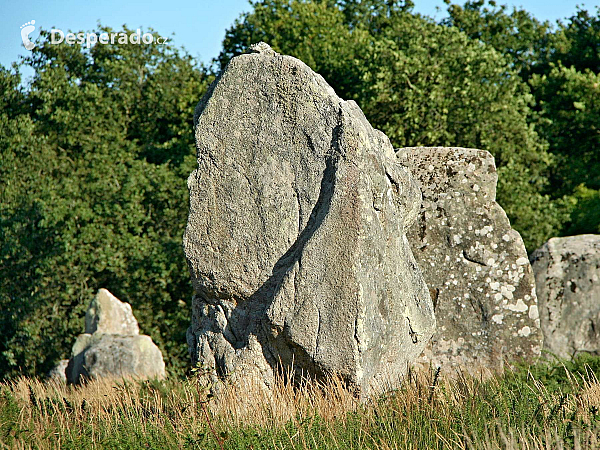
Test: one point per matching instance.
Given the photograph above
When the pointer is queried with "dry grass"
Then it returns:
(517, 410)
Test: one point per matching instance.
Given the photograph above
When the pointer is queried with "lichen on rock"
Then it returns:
(474, 264)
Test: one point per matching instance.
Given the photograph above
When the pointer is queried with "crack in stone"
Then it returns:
(472, 259)
(414, 336)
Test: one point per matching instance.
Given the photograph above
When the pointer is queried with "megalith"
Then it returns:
(295, 239)
(112, 346)
(475, 265)
(567, 274)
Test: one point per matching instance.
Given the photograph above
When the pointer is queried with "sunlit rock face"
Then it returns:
(567, 274)
(474, 263)
(296, 233)
(112, 347)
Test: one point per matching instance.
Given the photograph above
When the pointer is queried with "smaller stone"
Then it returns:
(497, 323)
(108, 314)
(566, 274)
(112, 346)
(58, 373)
(114, 356)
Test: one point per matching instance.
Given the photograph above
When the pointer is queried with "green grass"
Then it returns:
(548, 405)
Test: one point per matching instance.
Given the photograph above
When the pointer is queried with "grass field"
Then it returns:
(545, 406)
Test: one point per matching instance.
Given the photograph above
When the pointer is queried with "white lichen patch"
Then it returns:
(525, 331)
(484, 231)
(534, 313)
(520, 306)
(507, 292)
(497, 318)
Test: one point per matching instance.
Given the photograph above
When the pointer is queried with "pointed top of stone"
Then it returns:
(262, 48)
(107, 314)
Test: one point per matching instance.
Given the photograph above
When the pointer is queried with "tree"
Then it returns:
(569, 108)
(569, 100)
(94, 157)
(561, 66)
(577, 42)
(517, 35)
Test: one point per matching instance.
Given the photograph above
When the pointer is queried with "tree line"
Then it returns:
(96, 147)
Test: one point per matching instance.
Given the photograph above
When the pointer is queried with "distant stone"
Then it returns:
(567, 274)
(112, 346)
(296, 234)
(474, 263)
(58, 373)
(99, 355)
(108, 314)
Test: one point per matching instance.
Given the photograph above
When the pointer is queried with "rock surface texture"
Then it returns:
(567, 274)
(107, 314)
(474, 263)
(296, 234)
(59, 372)
(111, 346)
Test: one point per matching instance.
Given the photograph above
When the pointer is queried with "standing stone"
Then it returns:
(107, 314)
(567, 275)
(111, 346)
(59, 372)
(296, 234)
(474, 263)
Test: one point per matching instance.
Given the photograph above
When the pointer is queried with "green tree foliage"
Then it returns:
(94, 157)
(561, 66)
(577, 42)
(569, 108)
(516, 34)
(569, 101)
(421, 83)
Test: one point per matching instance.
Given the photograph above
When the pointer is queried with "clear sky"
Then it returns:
(199, 25)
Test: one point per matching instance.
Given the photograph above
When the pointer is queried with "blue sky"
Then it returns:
(199, 25)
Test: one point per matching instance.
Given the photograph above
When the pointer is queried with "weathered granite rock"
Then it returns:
(567, 274)
(107, 314)
(112, 346)
(58, 373)
(474, 263)
(296, 234)
(102, 355)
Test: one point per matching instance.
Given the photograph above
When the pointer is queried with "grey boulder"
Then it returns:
(114, 356)
(295, 239)
(567, 274)
(474, 263)
(59, 372)
(107, 314)
(112, 347)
